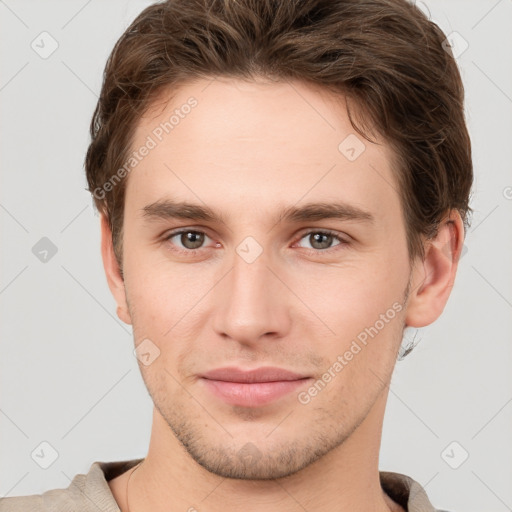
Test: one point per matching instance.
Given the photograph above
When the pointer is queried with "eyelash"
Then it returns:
(192, 252)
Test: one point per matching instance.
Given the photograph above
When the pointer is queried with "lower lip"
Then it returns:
(252, 394)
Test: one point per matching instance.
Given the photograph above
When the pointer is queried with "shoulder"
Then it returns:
(86, 493)
(405, 491)
(55, 500)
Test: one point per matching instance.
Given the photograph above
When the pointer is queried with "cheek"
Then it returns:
(157, 288)
(364, 311)
(351, 296)
(167, 306)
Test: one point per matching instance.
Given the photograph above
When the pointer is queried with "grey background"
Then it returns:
(68, 374)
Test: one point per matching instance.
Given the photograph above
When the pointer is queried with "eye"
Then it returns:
(322, 240)
(189, 239)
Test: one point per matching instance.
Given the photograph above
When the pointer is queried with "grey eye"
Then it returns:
(188, 239)
(319, 240)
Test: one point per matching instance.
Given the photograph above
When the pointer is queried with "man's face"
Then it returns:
(255, 290)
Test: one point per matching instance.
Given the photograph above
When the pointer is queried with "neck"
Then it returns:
(345, 479)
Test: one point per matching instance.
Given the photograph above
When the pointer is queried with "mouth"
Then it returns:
(252, 388)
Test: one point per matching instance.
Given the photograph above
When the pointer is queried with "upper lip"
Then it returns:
(262, 374)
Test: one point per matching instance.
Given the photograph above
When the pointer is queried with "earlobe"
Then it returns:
(112, 271)
(434, 277)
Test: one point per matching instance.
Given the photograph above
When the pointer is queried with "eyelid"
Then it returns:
(342, 237)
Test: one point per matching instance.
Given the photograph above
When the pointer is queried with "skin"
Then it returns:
(247, 150)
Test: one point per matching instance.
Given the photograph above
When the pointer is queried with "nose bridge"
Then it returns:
(251, 297)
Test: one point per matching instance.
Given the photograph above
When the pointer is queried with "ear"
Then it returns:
(433, 278)
(112, 271)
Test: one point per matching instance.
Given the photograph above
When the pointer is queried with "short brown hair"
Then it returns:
(385, 55)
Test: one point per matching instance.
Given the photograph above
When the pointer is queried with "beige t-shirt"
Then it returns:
(91, 492)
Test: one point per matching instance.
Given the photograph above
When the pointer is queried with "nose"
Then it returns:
(251, 302)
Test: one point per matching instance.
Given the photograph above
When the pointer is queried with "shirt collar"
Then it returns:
(400, 488)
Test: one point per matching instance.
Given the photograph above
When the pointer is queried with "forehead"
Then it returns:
(230, 142)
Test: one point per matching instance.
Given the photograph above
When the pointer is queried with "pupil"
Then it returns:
(324, 245)
(193, 238)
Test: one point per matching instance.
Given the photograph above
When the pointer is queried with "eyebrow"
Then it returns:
(165, 209)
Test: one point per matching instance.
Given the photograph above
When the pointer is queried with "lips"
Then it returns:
(252, 388)
(262, 374)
